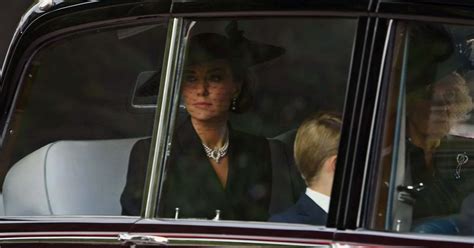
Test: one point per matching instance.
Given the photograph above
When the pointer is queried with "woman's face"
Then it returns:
(447, 104)
(208, 89)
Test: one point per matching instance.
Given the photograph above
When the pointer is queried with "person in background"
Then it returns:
(316, 145)
(432, 154)
(437, 99)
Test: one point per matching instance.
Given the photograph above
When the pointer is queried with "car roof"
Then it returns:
(47, 16)
(438, 2)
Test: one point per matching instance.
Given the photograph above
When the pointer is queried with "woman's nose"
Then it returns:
(203, 88)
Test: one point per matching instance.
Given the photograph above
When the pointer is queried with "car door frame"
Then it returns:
(394, 11)
(360, 90)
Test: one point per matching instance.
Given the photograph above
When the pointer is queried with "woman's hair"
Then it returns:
(317, 139)
(453, 91)
(429, 46)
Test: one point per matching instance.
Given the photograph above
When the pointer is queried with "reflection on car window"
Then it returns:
(79, 111)
(246, 86)
(431, 181)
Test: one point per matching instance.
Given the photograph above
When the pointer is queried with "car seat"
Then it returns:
(69, 178)
(287, 183)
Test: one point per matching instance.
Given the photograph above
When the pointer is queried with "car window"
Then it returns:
(83, 103)
(425, 179)
(246, 88)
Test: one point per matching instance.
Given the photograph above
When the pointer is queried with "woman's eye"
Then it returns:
(215, 78)
(189, 78)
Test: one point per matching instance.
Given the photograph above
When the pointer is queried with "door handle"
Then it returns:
(408, 194)
(412, 189)
(134, 240)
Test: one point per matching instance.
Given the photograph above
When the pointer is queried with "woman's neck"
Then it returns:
(428, 145)
(211, 133)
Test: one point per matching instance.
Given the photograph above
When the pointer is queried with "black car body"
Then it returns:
(353, 51)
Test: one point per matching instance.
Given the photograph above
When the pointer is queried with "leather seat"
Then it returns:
(287, 183)
(69, 178)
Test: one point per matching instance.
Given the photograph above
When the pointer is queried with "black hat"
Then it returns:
(430, 48)
(234, 47)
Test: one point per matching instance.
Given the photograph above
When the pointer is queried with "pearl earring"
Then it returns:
(234, 103)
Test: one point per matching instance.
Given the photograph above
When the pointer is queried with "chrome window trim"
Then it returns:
(60, 237)
(291, 13)
(61, 240)
(234, 242)
(376, 236)
(113, 238)
(425, 18)
(224, 239)
(264, 225)
(172, 241)
(162, 119)
(398, 135)
(219, 239)
(372, 125)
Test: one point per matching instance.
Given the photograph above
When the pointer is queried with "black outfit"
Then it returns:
(466, 217)
(287, 181)
(192, 185)
(305, 211)
(443, 193)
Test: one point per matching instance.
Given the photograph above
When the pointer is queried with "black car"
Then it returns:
(173, 122)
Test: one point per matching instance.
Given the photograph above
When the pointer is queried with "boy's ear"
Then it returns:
(332, 162)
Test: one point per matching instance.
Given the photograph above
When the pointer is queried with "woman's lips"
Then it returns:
(202, 104)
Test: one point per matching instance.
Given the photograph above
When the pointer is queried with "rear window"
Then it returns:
(79, 110)
(425, 183)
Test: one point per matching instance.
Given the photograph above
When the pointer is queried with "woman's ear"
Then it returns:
(238, 89)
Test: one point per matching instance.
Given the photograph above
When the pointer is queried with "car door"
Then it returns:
(84, 84)
(73, 105)
(327, 47)
(415, 195)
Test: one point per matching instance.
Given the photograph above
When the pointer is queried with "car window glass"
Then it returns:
(83, 104)
(425, 183)
(246, 88)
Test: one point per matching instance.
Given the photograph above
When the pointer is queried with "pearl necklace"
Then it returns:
(217, 153)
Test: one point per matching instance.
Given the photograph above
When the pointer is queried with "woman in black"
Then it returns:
(437, 98)
(211, 166)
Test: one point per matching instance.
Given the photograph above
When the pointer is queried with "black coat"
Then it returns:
(443, 192)
(305, 211)
(192, 185)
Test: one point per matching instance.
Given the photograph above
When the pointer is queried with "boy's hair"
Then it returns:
(317, 139)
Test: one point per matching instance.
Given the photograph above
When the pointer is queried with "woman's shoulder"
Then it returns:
(139, 154)
(248, 137)
(250, 143)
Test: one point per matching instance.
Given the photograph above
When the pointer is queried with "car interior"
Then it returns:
(401, 187)
(79, 98)
(82, 105)
(79, 110)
